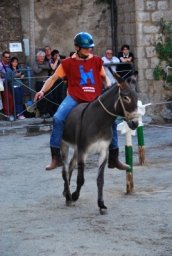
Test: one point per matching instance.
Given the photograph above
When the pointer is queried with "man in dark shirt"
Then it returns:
(127, 57)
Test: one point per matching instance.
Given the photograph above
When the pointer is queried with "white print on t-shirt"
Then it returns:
(88, 89)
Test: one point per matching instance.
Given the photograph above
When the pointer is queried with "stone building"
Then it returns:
(55, 23)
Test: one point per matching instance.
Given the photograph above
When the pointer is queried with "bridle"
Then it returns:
(127, 116)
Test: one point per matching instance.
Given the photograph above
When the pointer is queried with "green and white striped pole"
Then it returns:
(140, 135)
(123, 127)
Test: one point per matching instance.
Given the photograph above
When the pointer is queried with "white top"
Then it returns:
(108, 73)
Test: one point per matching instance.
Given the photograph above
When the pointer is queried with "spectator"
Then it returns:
(109, 58)
(41, 69)
(54, 61)
(4, 65)
(127, 57)
(58, 87)
(14, 76)
(47, 50)
(81, 88)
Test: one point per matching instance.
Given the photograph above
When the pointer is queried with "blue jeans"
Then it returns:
(59, 119)
(114, 142)
(19, 93)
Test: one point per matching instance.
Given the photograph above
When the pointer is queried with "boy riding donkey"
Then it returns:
(85, 74)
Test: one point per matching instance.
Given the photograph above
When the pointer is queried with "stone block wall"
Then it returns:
(148, 31)
(126, 24)
(141, 32)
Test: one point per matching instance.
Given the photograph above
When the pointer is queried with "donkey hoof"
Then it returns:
(103, 211)
(75, 196)
(101, 204)
(69, 203)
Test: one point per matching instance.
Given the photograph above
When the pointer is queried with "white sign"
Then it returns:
(15, 47)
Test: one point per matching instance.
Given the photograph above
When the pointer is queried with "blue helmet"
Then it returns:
(83, 40)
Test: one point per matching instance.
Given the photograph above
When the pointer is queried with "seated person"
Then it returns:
(127, 57)
(109, 58)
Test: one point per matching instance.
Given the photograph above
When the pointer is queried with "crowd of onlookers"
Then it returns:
(45, 64)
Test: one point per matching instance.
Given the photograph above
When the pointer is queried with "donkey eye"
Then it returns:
(126, 98)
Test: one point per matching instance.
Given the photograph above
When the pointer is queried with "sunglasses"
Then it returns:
(109, 53)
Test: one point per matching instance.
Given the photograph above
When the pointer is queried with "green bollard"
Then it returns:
(140, 138)
(129, 161)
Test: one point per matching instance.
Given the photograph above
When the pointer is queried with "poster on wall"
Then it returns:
(15, 47)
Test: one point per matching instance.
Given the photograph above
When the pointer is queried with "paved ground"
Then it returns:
(36, 221)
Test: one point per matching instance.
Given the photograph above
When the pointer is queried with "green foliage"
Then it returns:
(157, 72)
(164, 50)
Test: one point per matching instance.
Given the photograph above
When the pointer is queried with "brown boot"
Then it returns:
(114, 161)
(56, 159)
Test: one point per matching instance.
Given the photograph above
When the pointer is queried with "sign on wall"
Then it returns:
(15, 47)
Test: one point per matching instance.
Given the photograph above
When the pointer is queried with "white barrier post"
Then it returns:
(123, 127)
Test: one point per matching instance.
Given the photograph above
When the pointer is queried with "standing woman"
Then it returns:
(14, 76)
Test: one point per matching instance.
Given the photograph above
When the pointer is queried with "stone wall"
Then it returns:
(10, 27)
(57, 22)
(138, 25)
(148, 15)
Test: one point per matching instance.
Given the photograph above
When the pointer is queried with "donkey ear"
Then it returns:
(135, 75)
(132, 80)
(116, 76)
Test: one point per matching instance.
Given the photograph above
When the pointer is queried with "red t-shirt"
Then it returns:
(84, 80)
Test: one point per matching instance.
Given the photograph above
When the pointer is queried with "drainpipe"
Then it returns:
(114, 27)
(32, 41)
(32, 32)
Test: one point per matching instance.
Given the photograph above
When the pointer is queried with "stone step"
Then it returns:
(25, 126)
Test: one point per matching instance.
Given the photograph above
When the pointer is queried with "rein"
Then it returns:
(127, 116)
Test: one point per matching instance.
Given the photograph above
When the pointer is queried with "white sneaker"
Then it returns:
(11, 118)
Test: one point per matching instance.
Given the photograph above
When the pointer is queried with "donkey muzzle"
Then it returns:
(133, 123)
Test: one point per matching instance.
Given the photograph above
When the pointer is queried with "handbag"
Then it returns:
(1, 85)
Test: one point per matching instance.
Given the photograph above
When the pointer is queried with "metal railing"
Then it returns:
(30, 81)
(121, 67)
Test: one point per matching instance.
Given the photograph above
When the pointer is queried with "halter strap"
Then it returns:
(127, 116)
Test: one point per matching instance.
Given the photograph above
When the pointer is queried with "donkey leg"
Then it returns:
(80, 181)
(65, 173)
(100, 179)
(72, 164)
